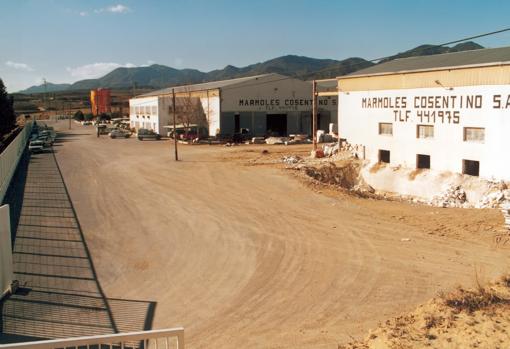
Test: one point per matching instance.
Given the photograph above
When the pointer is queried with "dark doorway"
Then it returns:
(237, 123)
(422, 161)
(276, 124)
(384, 156)
(319, 119)
(471, 167)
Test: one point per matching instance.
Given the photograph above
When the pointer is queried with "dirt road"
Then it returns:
(247, 257)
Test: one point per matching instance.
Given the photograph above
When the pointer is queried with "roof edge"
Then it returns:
(467, 66)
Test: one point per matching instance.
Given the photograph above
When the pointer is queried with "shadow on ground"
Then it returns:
(60, 294)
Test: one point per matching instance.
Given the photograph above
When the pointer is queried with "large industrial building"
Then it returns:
(447, 112)
(269, 104)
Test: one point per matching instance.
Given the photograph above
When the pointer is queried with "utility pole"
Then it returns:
(175, 130)
(314, 114)
(69, 117)
(45, 93)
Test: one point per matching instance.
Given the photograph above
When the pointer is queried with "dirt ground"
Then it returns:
(252, 257)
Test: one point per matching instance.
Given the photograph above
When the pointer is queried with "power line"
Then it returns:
(376, 59)
(379, 59)
(448, 43)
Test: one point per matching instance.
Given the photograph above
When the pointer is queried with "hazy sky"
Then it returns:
(66, 41)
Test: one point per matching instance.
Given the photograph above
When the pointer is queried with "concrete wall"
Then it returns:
(359, 124)
(276, 94)
(144, 113)
(210, 106)
(6, 273)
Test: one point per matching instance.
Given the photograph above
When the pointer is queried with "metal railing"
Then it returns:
(9, 158)
(154, 339)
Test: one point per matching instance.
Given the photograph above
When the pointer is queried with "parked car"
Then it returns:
(47, 141)
(118, 133)
(86, 123)
(36, 146)
(48, 133)
(147, 134)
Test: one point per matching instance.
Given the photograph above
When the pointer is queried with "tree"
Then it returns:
(189, 113)
(7, 115)
(79, 116)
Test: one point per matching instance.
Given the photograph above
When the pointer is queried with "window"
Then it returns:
(384, 156)
(471, 167)
(425, 131)
(154, 110)
(385, 128)
(422, 161)
(474, 134)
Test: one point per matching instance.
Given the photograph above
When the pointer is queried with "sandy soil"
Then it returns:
(247, 256)
(473, 318)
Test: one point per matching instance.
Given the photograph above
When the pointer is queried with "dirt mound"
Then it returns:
(476, 318)
(347, 176)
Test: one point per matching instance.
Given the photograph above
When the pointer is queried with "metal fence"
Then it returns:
(155, 339)
(10, 157)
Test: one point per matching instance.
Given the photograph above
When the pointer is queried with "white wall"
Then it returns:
(6, 273)
(359, 124)
(142, 118)
(272, 94)
(211, 106)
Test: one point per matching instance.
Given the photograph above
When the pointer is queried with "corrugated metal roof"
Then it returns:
(207, 85)
(433, 62)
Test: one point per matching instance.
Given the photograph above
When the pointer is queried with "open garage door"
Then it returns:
(276, 124)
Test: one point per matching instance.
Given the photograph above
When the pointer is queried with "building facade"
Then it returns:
(100, 101)
(269, 104)
(446, 112)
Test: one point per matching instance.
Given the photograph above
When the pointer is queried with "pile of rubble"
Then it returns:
(454, 196)
(331, 149)
(292, 139)
(346, 176)
(292, 159)
(497, 195)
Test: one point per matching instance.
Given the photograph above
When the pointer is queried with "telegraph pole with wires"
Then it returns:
(175, 130)
(314, 114)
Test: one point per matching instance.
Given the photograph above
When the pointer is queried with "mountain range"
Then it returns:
(159, 76)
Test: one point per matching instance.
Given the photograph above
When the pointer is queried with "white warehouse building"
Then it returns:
(447, 112)
(269, 104)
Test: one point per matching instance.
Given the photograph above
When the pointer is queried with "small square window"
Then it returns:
(422, 161)
(425, 131)
(474, 134)
(385, 128)
(471, 167)
(384, 156)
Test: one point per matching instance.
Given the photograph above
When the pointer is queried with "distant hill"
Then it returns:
(426, 50)
(152, 76)
(306, 68)
(49, 88)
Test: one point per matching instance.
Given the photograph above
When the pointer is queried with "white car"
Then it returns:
(118, 133)
(36, 146)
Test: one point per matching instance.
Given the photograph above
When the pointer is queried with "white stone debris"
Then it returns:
(276, 140)
(363, 188)
(292, 159)
(331, 149)
(454, 196)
